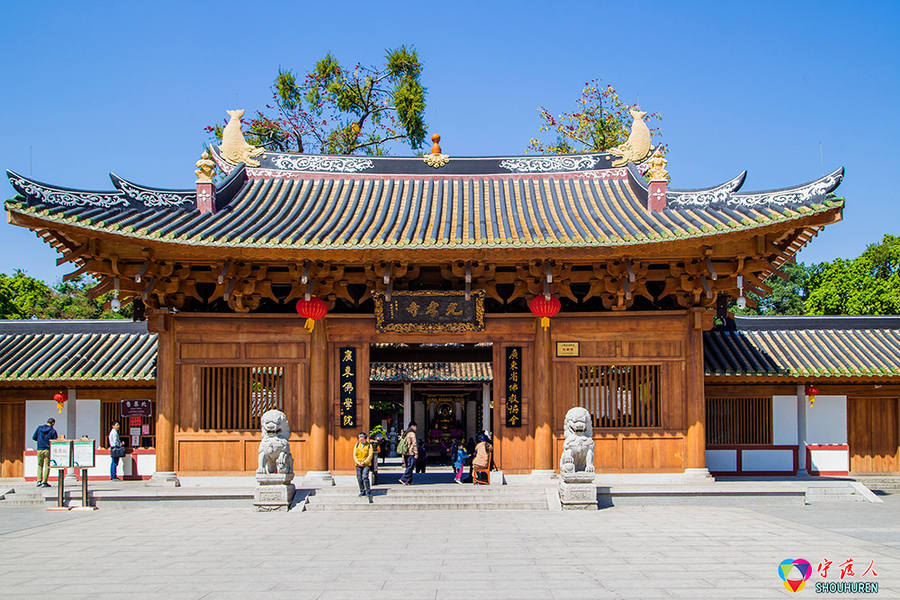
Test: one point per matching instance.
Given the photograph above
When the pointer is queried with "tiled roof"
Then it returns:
(820, 351)
(324, 203)
(430, 372)
(59, 351)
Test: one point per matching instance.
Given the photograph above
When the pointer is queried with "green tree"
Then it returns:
(866, 285)
(70, 300)
(338, 110)
(21, 296)
(600, 121)
(788, 296)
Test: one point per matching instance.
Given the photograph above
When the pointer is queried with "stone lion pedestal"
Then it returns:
(274, 490)
(576, 465)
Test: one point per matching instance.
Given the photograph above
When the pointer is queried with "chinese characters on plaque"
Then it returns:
(137, 408)
(513, 386)
(348, 387)
(429, 312)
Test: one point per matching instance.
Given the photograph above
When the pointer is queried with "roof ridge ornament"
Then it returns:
(234, 147)
(637, 147)
(657, 164)
(206, 168)
(436, 159)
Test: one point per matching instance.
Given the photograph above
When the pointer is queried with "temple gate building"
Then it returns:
(464, 293)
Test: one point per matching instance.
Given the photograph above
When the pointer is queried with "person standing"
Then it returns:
(410, 454)
(362, 455)
(459, 460)
(43, 435)
(114, 442)
(482, 460)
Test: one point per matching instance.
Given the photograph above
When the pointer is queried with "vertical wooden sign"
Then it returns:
(513, 386)
(348, 387)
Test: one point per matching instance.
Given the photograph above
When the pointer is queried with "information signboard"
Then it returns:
(84, 454)
(137, 408)
(348, 387)
(60, 454)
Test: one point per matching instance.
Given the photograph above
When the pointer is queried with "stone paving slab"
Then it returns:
(620, 553)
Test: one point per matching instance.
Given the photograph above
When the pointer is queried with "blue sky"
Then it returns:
(127, 87)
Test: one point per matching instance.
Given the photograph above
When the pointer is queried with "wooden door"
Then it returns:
(872, 434)
(12, 439)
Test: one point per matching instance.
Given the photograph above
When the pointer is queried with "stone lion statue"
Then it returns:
(274, 450)
(578, 449)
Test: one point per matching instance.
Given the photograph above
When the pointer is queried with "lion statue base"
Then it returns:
(577, 461)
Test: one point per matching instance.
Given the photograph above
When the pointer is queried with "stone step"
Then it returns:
(363, 504)
(24, 496)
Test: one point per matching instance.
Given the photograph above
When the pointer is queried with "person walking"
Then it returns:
(459, 460)
(362, 455)
(114, 453)
(43, 435)
(410, 453)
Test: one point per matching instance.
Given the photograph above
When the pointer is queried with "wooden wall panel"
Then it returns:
(12, 439)
(222, 351)
(668, 453)
(274, 350)
(872, 435)
(210, 455)
(607, 454)
(514, 446)
(637, 453)
(652, 349)
(342, 440)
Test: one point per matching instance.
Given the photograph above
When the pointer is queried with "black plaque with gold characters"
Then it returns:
(348, 387)
(513, 386)
(429, 312)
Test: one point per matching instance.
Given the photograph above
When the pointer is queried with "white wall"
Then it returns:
(833, 461)
(721, 460)
(784, 420)
(87, 419)
(767, 460)
(36, 414)
(826, 420)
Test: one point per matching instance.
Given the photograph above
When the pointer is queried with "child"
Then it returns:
(459, 461)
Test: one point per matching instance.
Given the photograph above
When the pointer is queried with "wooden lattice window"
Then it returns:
(620, 396)
(236, 397)
(111, 410)
(732, 421)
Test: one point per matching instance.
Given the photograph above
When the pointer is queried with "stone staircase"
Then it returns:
(880, 484)
(24, 495)
(430, 497)
(833, 491)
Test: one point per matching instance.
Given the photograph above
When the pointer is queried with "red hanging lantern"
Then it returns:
(313, 309)
(60, 399)
(545, 307)
(811, 391)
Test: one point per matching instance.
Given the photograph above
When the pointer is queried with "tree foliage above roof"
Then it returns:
(24, 297)
(338, 110)
(599, 122)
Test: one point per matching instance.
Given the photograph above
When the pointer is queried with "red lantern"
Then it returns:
(60, 399)
(811, 391)
(545, 307)
(313, 309)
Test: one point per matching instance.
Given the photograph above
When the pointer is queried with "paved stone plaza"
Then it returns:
(629, 552)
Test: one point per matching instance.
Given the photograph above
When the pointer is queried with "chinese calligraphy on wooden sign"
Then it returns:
(347, 368)
(513, 386)
(137, 408)
(429, 312)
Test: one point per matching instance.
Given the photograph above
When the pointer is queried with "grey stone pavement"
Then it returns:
(190, 553)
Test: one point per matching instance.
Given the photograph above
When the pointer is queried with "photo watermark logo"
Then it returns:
(794, 573)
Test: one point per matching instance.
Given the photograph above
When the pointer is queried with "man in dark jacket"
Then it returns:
(43, 435)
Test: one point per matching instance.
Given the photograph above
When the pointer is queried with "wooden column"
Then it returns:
(695, 442)
(163, 324)
(543, 399)
(318, 398)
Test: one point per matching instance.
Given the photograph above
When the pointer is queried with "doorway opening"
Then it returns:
(444, 387)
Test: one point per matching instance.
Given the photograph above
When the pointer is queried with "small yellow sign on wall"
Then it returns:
(568, 349)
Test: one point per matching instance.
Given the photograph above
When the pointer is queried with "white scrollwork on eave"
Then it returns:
(49, 195)
(331, 164)
(544, 164)
(156, 198)
(723, 195)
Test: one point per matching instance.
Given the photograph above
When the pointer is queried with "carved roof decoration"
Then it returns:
(309, 202)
